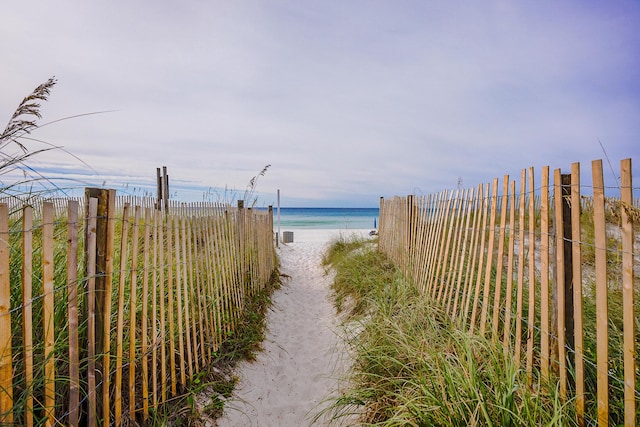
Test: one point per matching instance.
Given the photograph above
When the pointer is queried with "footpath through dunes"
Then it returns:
(303, 358)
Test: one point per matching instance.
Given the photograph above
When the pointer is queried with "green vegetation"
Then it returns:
(412, 366)
(28, 394)
(207, 393)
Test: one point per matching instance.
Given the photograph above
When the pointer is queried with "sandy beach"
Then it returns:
(302, 361)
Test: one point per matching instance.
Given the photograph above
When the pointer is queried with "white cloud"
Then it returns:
(347, 100)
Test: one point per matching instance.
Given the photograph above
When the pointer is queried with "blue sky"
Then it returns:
(346, 100)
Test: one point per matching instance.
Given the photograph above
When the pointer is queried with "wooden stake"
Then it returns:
(105, 234)
(133, 303)
(92, 323)
(560, 283)
(48, 313)
(72, 301)
(144, 339)
(27, 309)
(482, 238)
(124, 248)
(577, 292)
(489, 265)
(6, 369)
(510, 264)
(628, 298)
(532, 278)
(500, 259)
(520, 285)
(544, 278)
(602, 311)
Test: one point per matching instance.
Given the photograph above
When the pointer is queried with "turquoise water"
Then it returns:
(326, 218)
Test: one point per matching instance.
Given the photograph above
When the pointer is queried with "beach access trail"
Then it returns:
(303, 358)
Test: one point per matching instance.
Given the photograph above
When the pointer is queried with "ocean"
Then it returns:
(326, 218)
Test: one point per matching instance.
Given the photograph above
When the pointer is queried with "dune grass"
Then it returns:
(413, 367)
(206, 396)
(16, 152)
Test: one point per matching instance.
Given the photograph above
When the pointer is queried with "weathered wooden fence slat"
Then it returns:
(576, 231)
(541, 268)
(112, 344)
(72, 314)
(27, 310)
(628, 298)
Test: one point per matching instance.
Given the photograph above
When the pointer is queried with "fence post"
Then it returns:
(159, 189)
(410, 218)
(241, 241)
(103, 276)
(271, 224)
(165, 189)
(381, 243)
(568, 263)
(628, 297)
(6, 356)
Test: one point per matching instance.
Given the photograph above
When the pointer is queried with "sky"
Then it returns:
(347, 101)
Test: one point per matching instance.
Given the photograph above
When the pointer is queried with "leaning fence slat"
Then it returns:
(201, 295)
(418, 247)
(500, 258)
(27, 309)
(221, 279)
(544, 276)
(425, 215)
(107, 212)
(144, 329)
(185, 293)
(179, 302)
(464, 255)
(437, 242)
(182, 243)
(510, 260)
(602, 321)
(443, 258)
(223, 275)
(170, 310)
(6, 369)
(231, 272)
(213, 301)
(520, 281)
(481, 265)
(577, 292)
(48, 312)
(443, 241)
(124, 255)
(626, 199)
(156, 335)
(489, 265)
(560, 285)
(455, 251)
(532, 278)
(427, 219)
(162, 332)
(240, 248)
(195, 291)
(91, 226)
(72, 313)
(475, 233)
(133, 302)
(214, 266)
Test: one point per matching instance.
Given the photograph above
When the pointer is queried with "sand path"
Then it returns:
(302, 358)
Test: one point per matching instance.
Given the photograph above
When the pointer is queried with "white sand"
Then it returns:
(302, 360)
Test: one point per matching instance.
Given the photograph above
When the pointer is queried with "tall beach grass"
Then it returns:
(413, 367)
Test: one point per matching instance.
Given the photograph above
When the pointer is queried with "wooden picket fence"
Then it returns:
(546, 271)
(109, 309)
